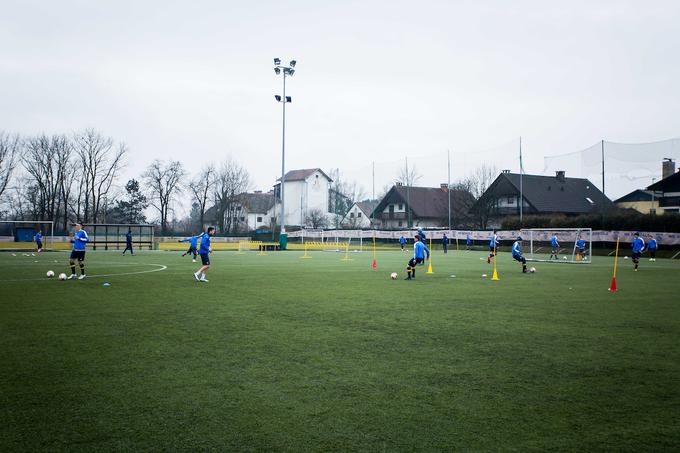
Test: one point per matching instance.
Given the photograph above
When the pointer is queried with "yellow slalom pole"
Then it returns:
(346, 258)
(429, 262)
(495, 273)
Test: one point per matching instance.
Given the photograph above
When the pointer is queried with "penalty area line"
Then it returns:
(159, 268)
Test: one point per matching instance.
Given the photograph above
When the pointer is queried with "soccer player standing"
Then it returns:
(79, 242)
(38, 240)
(193, 242)
(555, 246)
(517, 253)
(128, 242)
(205, 251)
(638, 246)
(402, 241)
(652, 245)
(419, 251)
(493, 245)
(468, 242)
(445, 243)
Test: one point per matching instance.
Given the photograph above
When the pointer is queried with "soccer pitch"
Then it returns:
(282, 353)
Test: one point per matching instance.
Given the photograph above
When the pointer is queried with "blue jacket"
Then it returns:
(80, 239)
(638, 245)
(445, 240)
(128, 237)
(554, 242)
(193, 241)
(419, 250)
(651, 245)
(205, 244)
(38, 237)
(581, 244)
(402, 241)
(516, 249)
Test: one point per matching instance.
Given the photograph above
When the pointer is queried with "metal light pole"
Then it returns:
(286, 71)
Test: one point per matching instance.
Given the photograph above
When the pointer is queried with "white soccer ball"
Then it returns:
(532, 270)
(394, 275)
(483, 275)
(62, 276)
(625, 257)
(50, 274)
(564, 258)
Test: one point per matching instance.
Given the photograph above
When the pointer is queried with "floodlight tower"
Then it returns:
(285, 71)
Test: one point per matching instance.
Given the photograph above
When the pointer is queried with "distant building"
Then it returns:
(540, 195)
(359, 215)
(258, 210)
(304, 191)
(643, 201)
(405, 207)
(667, 191)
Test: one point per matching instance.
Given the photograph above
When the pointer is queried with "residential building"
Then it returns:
(643, 201)
(667, 191)
(304, 191)
(359, 215)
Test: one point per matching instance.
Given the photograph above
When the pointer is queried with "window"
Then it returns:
(401, 206)
(358, 214)
(400, 223)
(243, 219)
(351, 215)
(259, 219)
(589, 200)
(511, 200)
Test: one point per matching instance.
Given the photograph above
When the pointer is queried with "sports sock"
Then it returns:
(203, 275)
(82, 269)
(73, 269)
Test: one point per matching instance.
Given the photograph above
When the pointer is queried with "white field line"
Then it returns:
(159, 268)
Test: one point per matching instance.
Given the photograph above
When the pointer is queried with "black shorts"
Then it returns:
(637, 255)
(39, 244)
(205, 259)
(191, 250)
(78, 255)
(492, 249)
(415, 261)
(519, 258)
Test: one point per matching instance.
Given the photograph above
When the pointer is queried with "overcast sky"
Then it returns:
(375, 81)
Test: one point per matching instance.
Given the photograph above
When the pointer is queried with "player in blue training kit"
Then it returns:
(193, 242)
(128, 242)
(421, 235)
(445, 243)
(79, 242)
(402, 241)
(517, 253)
(38, 240)
(554, 246)
(652, 246)
(468, 243)
(638, 246)
(205, 250)
(493, 245)
(419, 251)
(581, 247)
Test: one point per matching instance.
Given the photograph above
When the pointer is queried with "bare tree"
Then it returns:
(231, 180)
(477, 184)
(316, 219)
(9, 154)
(164, 182)
(343, 194)
(101, 161)
(201, 188)
(408, 178)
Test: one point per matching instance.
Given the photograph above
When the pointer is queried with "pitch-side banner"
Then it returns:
(505, 235)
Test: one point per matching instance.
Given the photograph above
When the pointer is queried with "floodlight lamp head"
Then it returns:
(292, 63)
(291, 72)
(277, 97)
(289, 99)
(277, 71)
(277, 61)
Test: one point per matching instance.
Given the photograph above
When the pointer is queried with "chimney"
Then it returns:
(667, 167)
(444, 186)
(506, 171)
(399, 184)
(560, 175)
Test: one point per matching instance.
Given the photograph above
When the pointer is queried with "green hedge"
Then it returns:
(611, 221)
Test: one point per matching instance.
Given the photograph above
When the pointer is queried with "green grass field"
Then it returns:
(277, 353)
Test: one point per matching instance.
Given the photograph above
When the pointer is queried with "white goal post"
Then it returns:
(20, 234)
(540, 247)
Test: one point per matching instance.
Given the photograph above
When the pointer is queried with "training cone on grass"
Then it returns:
(495, 275)
(375, 264)
(612, 287)
(429, 267)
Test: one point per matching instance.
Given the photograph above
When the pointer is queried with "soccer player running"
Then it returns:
(193, 242)
(555, 246)
(79, 242)
(581, 246)
(419, 251)
(402, 241)
(638, 246)
(445, 243)
(493, 245)
(38, 240)
(128, 242)
(652, 246)
(517, 253)
(205, 251)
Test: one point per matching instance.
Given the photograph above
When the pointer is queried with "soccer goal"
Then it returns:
(20, 235)
(568, 251)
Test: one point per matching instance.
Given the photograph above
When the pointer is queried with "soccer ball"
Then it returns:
(532, 270)
(50, 274)
(62, 276)
(393, 275)
(625, 257)
(564, 258)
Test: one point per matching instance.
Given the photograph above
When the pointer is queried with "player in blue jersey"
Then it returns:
(193, 243)
(517, 253)
(445, 243)
(468, 243)
(652, 246)
(402, 241)
(79, 242)
(205, 250)
(128, 242)
(581, 248)
(420, 250)
(38, 240)
(493, 246)
(554, 247)
(638, 246)
(421, 235)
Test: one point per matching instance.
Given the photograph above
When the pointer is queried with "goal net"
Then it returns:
(574, 245)
(20, 235)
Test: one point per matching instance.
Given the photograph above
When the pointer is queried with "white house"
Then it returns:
(304, 191)
(359, 215)
(258, 209)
